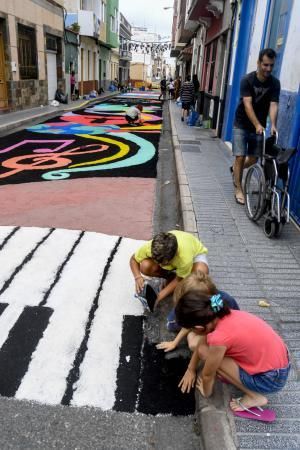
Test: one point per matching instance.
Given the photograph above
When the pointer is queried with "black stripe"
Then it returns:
(159, 384)
(25, 261)
(8, 237)
(15, 354)
(74, 372)
(128, 373)
(2, 307)
(60, 270)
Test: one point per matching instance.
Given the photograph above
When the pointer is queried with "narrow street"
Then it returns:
(120, 120)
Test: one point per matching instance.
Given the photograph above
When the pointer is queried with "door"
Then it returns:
(51, 75)
(279, 27)
(295, 188)
(3, 89)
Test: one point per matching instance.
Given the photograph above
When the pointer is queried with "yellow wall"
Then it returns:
(36, 15)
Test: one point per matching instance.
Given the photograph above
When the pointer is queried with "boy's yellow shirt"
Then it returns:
(188, 247)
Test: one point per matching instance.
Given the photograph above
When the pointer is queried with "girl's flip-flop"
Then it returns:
(255, 413)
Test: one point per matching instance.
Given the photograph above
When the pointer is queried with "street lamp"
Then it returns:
(168, 7)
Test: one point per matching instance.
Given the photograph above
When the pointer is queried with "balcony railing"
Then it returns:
(88, 22)
(125, 54)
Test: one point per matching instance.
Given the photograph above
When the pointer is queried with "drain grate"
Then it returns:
(193, 142)
(190, 148)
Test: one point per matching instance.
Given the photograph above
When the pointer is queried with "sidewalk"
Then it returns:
(14, 121)
(250, 267)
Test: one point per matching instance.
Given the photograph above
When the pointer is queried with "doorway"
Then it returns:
(3, 88)
(51, 75)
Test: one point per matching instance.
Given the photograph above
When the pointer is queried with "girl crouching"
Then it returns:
(239, 347)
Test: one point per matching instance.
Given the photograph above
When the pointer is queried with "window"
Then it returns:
(116, 20)
(27, 53)
(103, 11)
(51, 43)
(112, 24)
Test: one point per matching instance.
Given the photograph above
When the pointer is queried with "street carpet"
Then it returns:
(95, 141)
(71, 331)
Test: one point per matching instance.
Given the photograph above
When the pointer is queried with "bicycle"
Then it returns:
(266, 187)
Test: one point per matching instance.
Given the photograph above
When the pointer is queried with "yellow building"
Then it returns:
(31, 52)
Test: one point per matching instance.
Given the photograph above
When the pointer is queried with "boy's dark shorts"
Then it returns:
(130, 119)
(186, 105)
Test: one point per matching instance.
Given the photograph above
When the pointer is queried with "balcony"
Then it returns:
(183, 35)
(125, 55)
(88, 22)
(204, 9)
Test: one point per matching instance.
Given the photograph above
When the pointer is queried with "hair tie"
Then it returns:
(216, 303)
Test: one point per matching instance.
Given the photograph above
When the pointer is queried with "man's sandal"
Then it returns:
(239, 198)
(232, 174)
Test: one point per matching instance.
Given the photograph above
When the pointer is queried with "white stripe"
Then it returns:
(71, 300)
(4, 232)
(33, 281)
(7, 320)
(17, 248)
(98, 372)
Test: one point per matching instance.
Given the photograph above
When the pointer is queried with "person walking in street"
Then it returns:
(171, 89)
(187, 97)
(259, 97)
(177, 87)
(163, 88)
(73, 83)
(196, 88)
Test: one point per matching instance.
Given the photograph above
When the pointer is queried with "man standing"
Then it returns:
(187, 92)
(259, 97)
(163, 88)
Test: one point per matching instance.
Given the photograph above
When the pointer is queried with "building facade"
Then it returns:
(85, 18)
(112, 38)
(227, 37)
(125, 54)
(31, 53)
(96, 22)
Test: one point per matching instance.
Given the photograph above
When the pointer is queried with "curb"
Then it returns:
(187, 209)
(4, 129)
(216, 426)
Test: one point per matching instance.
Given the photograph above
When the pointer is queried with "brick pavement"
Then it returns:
(247, 265)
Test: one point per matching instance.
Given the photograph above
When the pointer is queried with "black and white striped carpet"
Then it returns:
(71, 331)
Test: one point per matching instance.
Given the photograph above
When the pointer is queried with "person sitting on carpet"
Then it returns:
(203, 284)
(133, 114)
(173, 256)
(238, 346)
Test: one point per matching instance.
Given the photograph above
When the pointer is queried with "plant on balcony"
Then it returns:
(75, 27)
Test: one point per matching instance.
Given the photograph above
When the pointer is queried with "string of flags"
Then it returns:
(146, 47)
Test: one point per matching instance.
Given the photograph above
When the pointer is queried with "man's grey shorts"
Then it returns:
(246, 143)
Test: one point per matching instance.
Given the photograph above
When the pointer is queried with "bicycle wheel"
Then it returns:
(255, 192)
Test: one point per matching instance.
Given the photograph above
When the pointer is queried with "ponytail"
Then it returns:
(195, 309)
